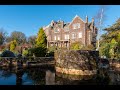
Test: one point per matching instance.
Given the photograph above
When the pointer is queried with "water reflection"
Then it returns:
(46, 75)
(19, 75)
(50, 77)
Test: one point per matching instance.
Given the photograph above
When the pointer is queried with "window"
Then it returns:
(66, 37)
(56, 30)
(55, 37)
(58, 37)
(76, 26)
(66, 29)
(80, 35)
(73, 36)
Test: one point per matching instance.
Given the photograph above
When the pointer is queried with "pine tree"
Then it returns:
(13, 45)
(41, 40)
(110, 41)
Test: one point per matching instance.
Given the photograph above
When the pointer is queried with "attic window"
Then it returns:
(76, 25)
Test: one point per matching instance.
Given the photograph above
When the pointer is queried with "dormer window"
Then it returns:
(76, 25)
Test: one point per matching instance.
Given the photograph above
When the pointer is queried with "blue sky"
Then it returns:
(29, 18)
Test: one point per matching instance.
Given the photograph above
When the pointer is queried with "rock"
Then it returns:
(76, 62)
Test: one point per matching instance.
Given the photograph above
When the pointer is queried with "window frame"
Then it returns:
(80, 35)
(76, 25)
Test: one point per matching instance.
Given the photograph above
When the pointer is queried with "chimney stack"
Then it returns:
(93, 20)
(86, 19)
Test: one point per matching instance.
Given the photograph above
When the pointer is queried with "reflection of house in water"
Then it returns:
(50, 78)
(19, 75)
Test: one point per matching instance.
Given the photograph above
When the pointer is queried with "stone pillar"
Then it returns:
(69, 44)
(47, 44)
(57, 44)
(66, 44)
(61, 44)
(54, 43)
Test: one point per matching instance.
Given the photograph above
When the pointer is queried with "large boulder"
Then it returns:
(79, 62)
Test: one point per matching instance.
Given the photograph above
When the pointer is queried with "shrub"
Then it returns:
(38, 51)
(13, 45)
(25, 52)
(7, 53)
(89, 47)
(76, 46)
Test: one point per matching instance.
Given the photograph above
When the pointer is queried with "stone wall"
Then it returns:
(80, 62)
(115, 64)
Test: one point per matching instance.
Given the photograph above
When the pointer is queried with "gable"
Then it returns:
(76, 19)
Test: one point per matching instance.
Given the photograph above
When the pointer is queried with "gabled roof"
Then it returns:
(74, 19)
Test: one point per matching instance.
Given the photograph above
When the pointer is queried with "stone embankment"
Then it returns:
(80, 62)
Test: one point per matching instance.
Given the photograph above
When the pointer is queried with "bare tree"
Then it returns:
(100, 17)
(2, 36)
(31, 39)
(18, 36)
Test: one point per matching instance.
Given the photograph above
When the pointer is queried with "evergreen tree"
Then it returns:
(13, 45)
(110, 41)
(76, 46)
(40, 48)
(41, 40)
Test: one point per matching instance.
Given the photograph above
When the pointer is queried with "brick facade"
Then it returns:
(63, 34)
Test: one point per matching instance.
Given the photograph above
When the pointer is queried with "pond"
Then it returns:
(46, 75)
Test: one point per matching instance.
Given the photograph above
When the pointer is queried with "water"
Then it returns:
(46, 75)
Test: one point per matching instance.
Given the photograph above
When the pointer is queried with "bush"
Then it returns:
(89, 47)
(7, 53)
(13, 45)
(25, 52)
(76, 46)
(38, 51)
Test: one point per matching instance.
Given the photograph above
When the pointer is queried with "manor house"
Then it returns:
(63, 34)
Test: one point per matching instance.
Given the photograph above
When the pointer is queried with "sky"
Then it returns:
(29, 18)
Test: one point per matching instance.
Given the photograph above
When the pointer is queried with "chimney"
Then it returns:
(52, 23)
(86, 19)
(93, 24)
(93, 21)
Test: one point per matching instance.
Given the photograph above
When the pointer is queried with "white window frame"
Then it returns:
(58, 38)
(55, 38)
(73, 35)
(66, 36)
(76, 25)
(80, 34)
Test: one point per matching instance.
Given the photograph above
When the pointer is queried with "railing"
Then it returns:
(26, 60)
